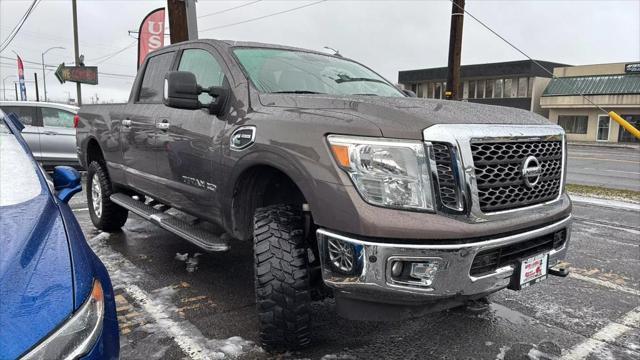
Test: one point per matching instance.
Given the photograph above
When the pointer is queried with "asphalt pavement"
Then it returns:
(167, 312)
(612, 167)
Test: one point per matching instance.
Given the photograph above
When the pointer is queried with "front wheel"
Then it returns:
(283, 290)
(105, 215)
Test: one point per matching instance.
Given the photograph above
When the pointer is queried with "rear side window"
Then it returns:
(206, 69)
(27, 114)
(57, 118)
(153, 80)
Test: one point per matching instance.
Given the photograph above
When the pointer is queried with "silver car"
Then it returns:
(49, 130)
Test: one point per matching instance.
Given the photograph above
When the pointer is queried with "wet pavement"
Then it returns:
(611, 167)
(167, 312)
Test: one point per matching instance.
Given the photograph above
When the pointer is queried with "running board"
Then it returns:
(202, 238)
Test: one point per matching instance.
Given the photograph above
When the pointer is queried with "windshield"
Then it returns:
(288, 71)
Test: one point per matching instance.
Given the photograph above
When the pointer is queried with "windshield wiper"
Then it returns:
(346, 78)
(295, 92)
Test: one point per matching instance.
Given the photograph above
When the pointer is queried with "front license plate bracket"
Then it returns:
(530, 270)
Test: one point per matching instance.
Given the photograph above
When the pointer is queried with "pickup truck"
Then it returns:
(347, 186)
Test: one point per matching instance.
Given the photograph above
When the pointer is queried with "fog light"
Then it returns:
(424, 271)
(396, 268)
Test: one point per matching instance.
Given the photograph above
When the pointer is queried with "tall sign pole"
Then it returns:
(75, 47)
(453, 89)
(35, 76)
(183, 24)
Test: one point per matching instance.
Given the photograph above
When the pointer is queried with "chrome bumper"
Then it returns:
(373, 282)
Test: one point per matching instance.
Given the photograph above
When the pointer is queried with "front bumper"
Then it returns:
(373, 282)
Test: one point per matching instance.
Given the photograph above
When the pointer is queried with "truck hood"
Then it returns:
(36, 284)
(403, 117)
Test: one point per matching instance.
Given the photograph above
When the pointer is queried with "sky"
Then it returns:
(387, 35)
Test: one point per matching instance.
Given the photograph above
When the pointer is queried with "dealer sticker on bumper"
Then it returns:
(533, 270)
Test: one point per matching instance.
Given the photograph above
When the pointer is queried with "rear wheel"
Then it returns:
(283, 290)
(105, 215)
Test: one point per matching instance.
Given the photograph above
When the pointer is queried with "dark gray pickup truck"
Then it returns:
(347, 186)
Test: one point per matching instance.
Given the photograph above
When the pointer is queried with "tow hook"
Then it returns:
(561, 269)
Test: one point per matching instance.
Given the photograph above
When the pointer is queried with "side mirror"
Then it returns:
(219, 95)
(66, 181)
(181, 90)
(409, 93)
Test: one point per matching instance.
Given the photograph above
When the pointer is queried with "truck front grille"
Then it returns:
(488, 261)
(447, 187)
(498, 170)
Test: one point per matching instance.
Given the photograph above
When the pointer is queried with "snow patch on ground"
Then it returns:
(606, 202)
(158, 304)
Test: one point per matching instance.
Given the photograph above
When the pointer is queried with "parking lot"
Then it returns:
(167, 312)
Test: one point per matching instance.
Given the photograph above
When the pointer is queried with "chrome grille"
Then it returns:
(446, 179)
(498, 170)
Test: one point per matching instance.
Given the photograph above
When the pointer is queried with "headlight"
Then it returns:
(390, 173)
(77, 335)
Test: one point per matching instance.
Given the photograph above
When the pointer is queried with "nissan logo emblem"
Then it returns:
(531, 171)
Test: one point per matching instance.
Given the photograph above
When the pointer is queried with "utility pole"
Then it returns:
(75, 46)
(35, 75)
(183, 24)
(454, 87)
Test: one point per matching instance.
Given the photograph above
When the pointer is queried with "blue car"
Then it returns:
(56, 299)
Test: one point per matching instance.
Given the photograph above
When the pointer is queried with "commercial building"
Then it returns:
(612, 86)
(517, 84)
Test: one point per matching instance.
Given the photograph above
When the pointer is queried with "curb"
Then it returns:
(604, 145)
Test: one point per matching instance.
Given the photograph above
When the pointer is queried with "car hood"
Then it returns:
(404, 117)
(36, 284)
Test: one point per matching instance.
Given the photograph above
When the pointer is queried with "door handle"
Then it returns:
(163, 125)
(48, 132)
(126, 123)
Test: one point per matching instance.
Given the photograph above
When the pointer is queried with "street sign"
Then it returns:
(79, 74)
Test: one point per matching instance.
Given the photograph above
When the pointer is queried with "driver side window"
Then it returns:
(206, 69)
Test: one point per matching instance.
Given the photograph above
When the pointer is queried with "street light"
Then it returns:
(44, 79)
(4, 87)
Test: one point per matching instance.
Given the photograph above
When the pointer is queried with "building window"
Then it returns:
(465, 90)
(574, 124)
(488, 93)
(624, 135)
(480, 89)
(499, 85)
(507, 88)
(438, 91)
(430, 90)
(419, 90)
(472, 89)
(603, 128)
(523, 85)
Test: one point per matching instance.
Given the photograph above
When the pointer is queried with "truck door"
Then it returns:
(191, 139)
(139, 132)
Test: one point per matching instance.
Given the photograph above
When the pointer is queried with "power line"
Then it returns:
(529, 57)
(264, 16)
(229, 9)
(18, 26)
(103, 58)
